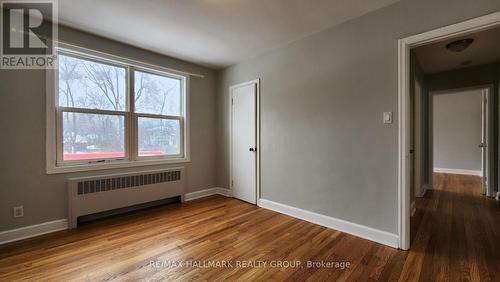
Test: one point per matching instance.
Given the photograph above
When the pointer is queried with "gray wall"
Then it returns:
(324, 147)
(457, 130)
(22, 142)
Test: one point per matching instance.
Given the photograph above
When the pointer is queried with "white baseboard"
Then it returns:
(369, 233)
(207, 192)
(62, 224)
(224, 192)
(32, 231)
(423, 190)
(413, 208)
(458, 171)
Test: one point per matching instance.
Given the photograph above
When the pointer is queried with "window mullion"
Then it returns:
(132, 137)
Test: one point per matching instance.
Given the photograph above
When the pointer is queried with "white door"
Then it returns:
(243, 142)
(484, 142)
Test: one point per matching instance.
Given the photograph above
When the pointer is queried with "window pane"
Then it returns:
(158, 137)
(155, 94)
(90, 85)
(93, 136)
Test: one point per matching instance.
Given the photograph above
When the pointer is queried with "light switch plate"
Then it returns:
(388, 117)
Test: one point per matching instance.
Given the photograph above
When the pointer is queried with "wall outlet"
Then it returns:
(18, 211)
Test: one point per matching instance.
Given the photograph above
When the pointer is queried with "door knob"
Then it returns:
(252, 149)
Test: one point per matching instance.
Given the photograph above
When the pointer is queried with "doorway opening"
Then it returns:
(462, 136)
(461, 57)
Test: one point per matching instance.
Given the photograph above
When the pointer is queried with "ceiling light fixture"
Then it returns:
(459, 45)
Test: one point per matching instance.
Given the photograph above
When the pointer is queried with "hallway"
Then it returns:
(455, 232)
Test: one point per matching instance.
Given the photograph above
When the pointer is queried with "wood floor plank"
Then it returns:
(455, 237)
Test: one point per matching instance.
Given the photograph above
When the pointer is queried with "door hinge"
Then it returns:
(232, 183)
(232, 101)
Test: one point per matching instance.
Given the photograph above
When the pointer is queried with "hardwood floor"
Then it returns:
(456, 238)
(458, 233)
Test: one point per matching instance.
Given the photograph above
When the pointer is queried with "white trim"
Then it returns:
(362, 231)
(199, 194)
(117, 164)
(207, 192)
(257, 142)
(403, 148)
(413, 208)
(458, 171)
(424, 189)
(404, 45)
(470, 26)
(223, 191)
(32, 231)
(62, 224)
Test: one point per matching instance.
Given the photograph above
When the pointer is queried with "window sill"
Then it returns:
(115, 165)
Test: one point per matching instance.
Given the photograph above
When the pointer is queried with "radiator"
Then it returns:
(89, 195)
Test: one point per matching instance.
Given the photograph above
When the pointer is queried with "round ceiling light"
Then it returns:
(459, 45)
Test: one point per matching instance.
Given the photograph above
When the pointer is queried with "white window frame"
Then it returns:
(54, 145)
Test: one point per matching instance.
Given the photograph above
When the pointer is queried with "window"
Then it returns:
(158, 106)
(113, 112)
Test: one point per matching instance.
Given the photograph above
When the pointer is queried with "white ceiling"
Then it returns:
(484, 50)
(214, 33)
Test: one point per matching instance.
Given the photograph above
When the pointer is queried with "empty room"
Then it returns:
(249, 140)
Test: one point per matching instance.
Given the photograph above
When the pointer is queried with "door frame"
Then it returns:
(490, 129)
(487, 110)
(404, 46)
(418, 159)
(257, 141)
